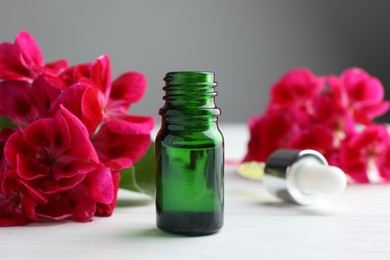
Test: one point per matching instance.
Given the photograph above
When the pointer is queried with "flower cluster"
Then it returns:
(333, 115)
(65, 135)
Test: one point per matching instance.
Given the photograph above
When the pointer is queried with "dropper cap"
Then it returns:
(302, 176)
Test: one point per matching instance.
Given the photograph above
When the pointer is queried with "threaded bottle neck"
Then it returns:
(189, 94)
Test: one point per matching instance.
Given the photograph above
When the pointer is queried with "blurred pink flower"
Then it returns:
(330, 112)
(361, 93)
(365, 156)
(314, 136)
(297, 87)
(306, 113)
(269, 132)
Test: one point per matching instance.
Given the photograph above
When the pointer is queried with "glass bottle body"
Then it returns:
(190, 171)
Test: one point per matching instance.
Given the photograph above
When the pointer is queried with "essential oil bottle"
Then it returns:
(190, 156)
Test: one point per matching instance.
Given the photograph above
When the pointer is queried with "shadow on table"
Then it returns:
(150, 233)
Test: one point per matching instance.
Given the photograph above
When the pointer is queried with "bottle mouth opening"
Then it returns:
(192, 77)
(202, 72)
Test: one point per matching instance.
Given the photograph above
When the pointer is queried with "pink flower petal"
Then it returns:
(362, 87)
(363, 95)
(16, 100)
(5, 133)
(296, 87)
(49, 186)
(130, 124)
(14, 145)
(10, 65)
(57, 208)
(101, 74)
(119, 151)
(365, 115)
(127, 89)
(31, 54)
(47, 132)
(30, 169)
(82, 148)
(44, 93)
(81, 100)
(59, 65)
(358, 173)
(364, 150)
(23, 60)
(282, 125)
(316, 136)
(71, 168)
(99, 185)
(33, 191)
(106, 210)
(10, 214)
(92, 113)
(367, 91)
(83, 206)
(329, 110)
(384, 162)
(28, 207)
(73, 74)
(372, 138)
(12, 220)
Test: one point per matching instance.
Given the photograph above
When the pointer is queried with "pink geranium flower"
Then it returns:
(365, 156)
(118, 138)
(53, 160)
(69, 136)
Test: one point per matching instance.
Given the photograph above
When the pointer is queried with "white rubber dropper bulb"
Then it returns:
(327, 180)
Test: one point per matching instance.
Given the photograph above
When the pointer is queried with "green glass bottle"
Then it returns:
(190, 156)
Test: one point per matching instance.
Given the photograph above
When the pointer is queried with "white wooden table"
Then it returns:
(354, 225)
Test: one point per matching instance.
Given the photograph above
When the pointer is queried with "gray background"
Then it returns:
(248, 44)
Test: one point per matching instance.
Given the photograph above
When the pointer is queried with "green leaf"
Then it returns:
(6, 122)
(141, 177)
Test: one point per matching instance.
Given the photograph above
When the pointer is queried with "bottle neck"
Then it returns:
(191, 124)
(189, 96)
